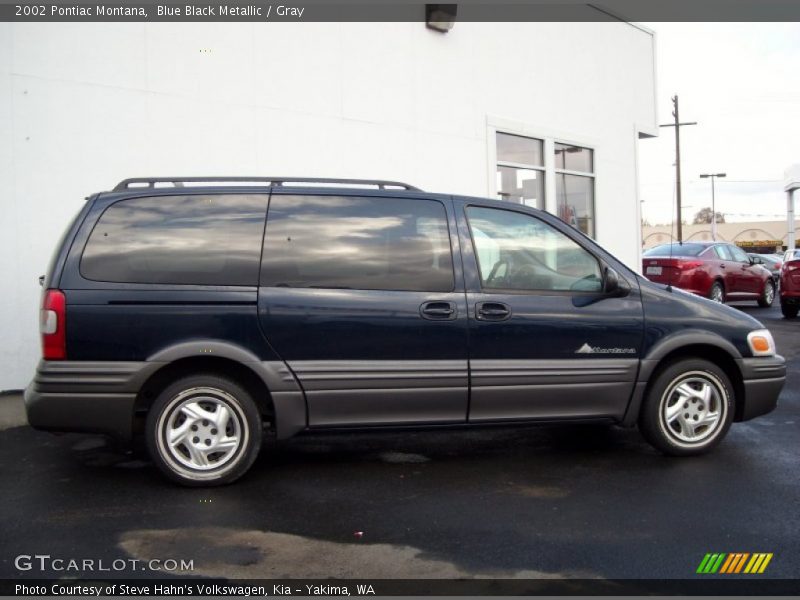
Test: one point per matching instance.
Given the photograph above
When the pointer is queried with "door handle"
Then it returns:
(722, 266)
(438, 310)
(492, 311)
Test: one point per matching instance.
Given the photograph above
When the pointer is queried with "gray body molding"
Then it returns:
(367, 392)
(550, 389)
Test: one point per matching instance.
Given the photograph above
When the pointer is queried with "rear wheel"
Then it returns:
(203, 430)
(789, 310)
(768, 295)
(717, 292)
(688, 409)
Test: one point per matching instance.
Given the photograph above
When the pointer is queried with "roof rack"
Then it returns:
(151, 182)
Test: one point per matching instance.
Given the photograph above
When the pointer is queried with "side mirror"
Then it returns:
(754, 261)
(611, 282)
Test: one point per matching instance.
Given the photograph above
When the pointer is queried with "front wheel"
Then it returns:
(789, 310)
(203, 430)
(768, 295)
(688, 409)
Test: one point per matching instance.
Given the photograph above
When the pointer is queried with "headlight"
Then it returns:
(761, 342)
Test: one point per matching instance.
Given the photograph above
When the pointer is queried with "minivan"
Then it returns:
(204, 314)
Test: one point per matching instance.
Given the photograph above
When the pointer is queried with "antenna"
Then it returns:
(672, 240)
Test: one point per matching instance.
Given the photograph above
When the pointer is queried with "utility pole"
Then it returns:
(677, 125)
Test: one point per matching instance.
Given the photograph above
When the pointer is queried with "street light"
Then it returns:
(713, 176)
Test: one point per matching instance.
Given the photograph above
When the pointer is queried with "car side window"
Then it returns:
(353, 242)
(739, 255)
(190, 239)
(516, 251)
(722, 252)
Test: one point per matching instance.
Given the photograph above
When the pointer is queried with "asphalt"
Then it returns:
(554, 501)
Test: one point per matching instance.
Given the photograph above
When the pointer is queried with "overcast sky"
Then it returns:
(741, 83)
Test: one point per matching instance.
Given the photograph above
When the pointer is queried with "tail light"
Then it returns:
(52, 325)
(685, 265)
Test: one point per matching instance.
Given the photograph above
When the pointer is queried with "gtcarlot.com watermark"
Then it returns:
(49, 563)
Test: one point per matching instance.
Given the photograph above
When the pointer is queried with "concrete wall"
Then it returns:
(85, 105)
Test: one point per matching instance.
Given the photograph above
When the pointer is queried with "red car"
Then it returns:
(790, 284)
(715, 270)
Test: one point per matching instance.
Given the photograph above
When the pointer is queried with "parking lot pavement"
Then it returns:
(580, 501)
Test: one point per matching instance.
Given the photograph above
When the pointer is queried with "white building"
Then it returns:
(83, 106)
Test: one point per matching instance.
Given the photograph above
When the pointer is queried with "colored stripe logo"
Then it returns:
(734, 562)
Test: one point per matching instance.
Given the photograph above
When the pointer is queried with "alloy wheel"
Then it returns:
(201, 430)
(693, 408)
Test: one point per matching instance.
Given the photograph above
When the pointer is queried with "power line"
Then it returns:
(730, 214)
(752, 181)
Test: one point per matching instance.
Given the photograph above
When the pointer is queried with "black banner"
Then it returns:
(317, 11)
(723, 585)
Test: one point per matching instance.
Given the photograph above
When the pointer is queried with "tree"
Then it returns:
(703, 216)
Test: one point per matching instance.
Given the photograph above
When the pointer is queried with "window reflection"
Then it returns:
(523, 186)
(575, 201)
(574, 158)
(519, 149)
(194, 239)
(357, 243)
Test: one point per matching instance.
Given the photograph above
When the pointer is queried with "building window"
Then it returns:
(520, 169)
(575, 186)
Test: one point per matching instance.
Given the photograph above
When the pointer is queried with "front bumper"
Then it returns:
(83, 396)
(763, 378)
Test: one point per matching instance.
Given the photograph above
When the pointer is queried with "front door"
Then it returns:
(361, 297)
(748, 274)
(545, 340)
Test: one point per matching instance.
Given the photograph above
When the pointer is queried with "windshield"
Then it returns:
(677, 250)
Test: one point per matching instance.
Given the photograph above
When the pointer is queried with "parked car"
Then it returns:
(771, 262)
(204, 314)
(790, 284)
(716, 270)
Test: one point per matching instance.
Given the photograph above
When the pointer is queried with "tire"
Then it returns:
(663, 419)
(212, 450)
(767, 295)
(789, 310)
(717, 292)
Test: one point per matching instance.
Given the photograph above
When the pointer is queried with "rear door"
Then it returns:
(545, 342)
(728, 268)
(360, 295)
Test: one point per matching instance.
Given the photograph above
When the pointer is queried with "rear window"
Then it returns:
(195, 239)
(351, 242)
(676, 250)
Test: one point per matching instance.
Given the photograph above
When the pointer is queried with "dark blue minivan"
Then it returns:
(206, 313)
